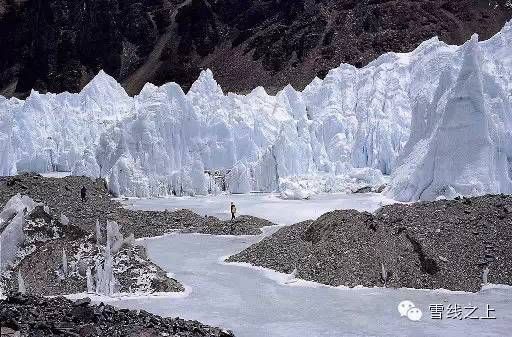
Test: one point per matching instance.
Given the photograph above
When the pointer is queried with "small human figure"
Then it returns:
(83, 193)
(233, 211)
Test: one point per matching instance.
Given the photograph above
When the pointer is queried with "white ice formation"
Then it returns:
(115, 238)
(12, 220)
(106, 283)
(64, 219)
(21, 283)
(90, 282)
(461, 140)
(436, 119)
(64, 263)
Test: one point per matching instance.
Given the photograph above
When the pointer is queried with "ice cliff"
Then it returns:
(436, 119)
(461, 142)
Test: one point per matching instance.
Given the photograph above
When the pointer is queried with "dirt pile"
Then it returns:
(59, 45)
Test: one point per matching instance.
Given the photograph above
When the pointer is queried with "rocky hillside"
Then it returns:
(57, 45)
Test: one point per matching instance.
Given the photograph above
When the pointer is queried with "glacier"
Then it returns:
(436, 120)
(461, 143)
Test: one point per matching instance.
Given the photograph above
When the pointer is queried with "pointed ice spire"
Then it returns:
(289, 88)
(384, 274)
(21, 284)
(258, 92)
(113, 184)
(462, 151)
(469, 82)
(97, 267)
(205, 85)
(64, 263)
(103, 82)
(114, 236)
(98, 233)
(148, 91)
(90, 282)
(460, 156)
(34, 96)
(485, 275)
(1, 254)
(173, 89)
(316, 81)
(313, 87)
(465, 109)
(105, 273)
(104, 96)
(293, 102)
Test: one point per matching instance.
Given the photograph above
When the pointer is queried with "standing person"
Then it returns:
(233, 211)
(83, 193)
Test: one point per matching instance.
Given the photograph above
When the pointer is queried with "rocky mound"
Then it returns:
(456, 245)
(62, 195)
(36, 316)
(59, 45)
(242, 225)
(153, 223)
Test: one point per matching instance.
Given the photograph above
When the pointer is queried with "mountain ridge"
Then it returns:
(246, 43)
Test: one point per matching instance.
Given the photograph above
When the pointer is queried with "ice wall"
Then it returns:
(461, 141)
(7, 158)
(163, 140)
(51, 132)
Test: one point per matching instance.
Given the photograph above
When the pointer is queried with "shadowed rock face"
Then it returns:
(58, 45)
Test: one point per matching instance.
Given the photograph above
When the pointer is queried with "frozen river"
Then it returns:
(264, 205)
(259, 303)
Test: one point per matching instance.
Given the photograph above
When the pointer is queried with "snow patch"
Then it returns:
(129, 296)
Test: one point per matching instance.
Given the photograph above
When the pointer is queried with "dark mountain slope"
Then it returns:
(57, 45)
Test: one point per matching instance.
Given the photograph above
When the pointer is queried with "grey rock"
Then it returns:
(59, 316)
(366, 189)
(82, 302)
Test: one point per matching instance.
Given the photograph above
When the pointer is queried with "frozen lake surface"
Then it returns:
(264, 205)
(261, 303)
